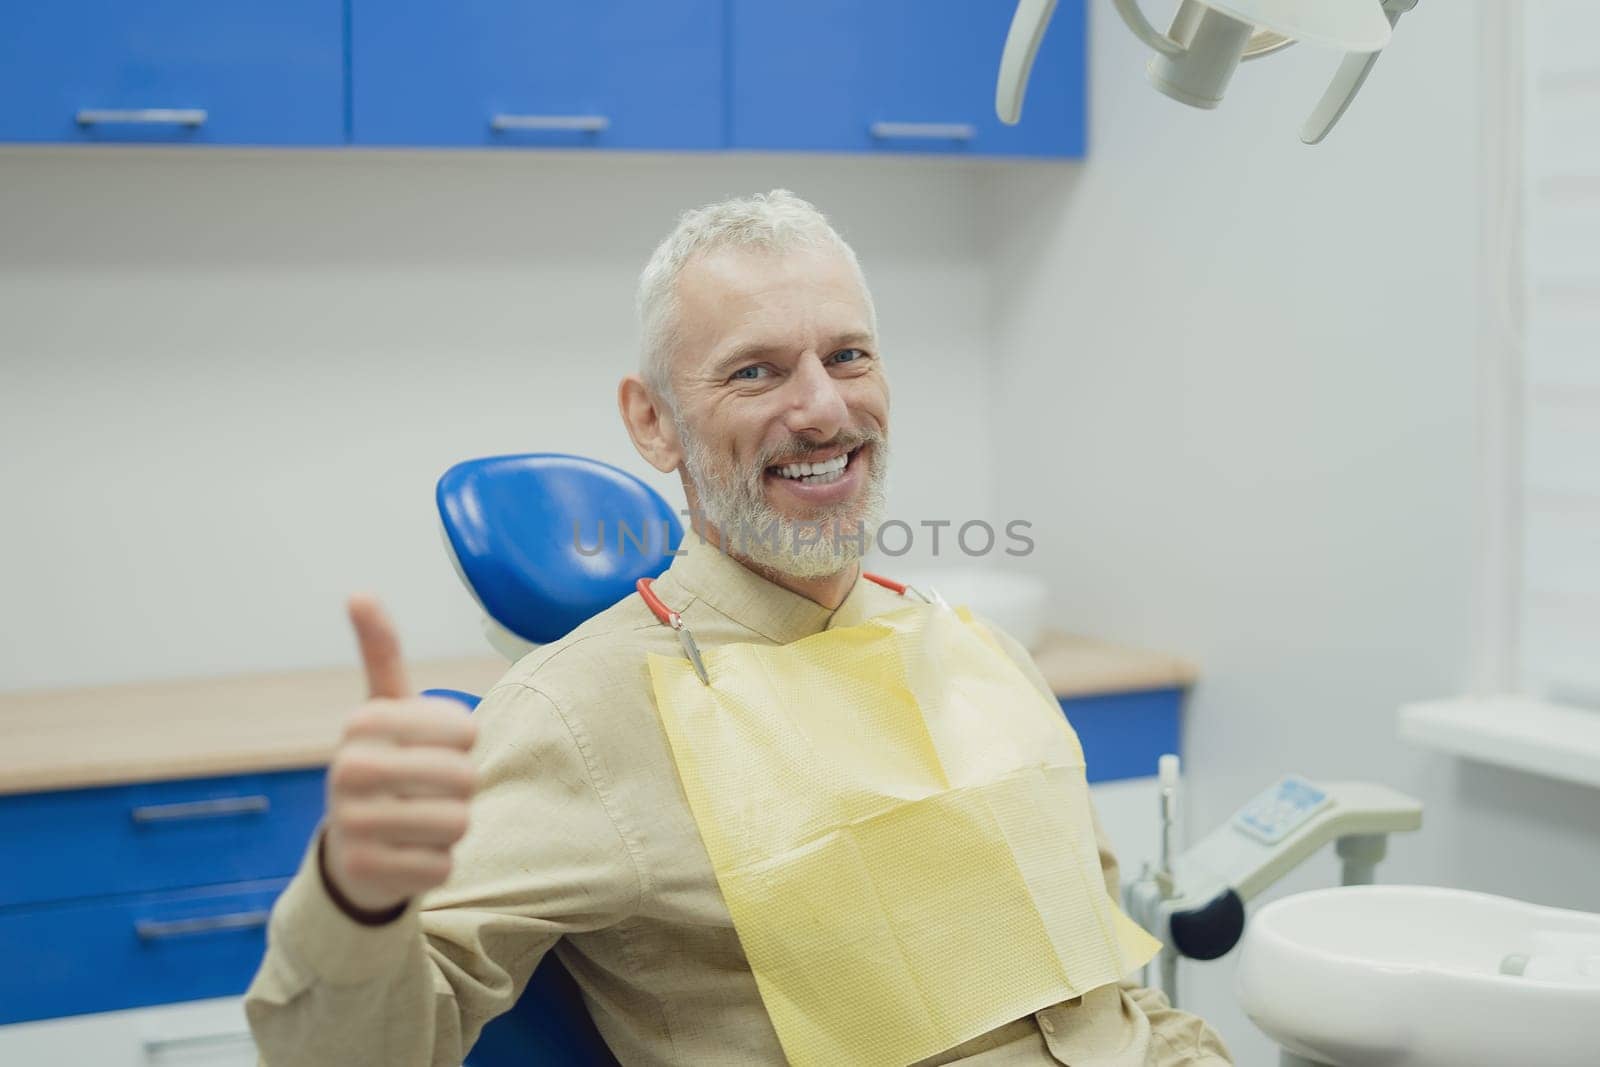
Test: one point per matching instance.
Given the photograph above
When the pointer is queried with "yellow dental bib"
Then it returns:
(899, 823)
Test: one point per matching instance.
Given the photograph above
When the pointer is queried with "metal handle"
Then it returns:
(202, 809)
(156, 1046)
(150, 930)
(143, 116)
(576, 123)
(929, 131)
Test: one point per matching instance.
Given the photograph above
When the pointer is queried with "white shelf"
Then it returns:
(1512, 731)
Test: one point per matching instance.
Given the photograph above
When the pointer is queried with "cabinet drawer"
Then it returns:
(899, 76)
(131, 952)
(173, 71)
(84, 843)
(596, 74)
(1124, 735)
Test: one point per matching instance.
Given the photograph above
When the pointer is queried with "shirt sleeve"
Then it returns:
(543, 857)
(1177, 1038)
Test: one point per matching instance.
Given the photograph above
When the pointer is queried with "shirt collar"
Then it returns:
(780, 615)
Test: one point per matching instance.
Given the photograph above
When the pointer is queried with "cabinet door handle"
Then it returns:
(202, 809)
(576, 123)
(924, 131)
(156, 1046)
(151, 930)
(143, 116)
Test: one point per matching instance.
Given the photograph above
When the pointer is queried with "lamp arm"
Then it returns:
(1142, 28)
(1347, 82)
(1028, 24)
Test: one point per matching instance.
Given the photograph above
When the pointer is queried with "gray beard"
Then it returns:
(754, 529)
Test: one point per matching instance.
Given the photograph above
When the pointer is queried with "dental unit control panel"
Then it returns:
(1194, 902)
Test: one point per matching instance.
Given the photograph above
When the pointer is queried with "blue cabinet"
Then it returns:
(173, 71)
(132, 951)
(1124, 734)
(796, 75)
(590, 74)
(898, 76)
(131, 895)
(157, 835)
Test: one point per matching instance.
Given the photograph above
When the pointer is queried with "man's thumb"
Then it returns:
(380, 648)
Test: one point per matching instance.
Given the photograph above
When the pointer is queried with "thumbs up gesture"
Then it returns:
(399, 785)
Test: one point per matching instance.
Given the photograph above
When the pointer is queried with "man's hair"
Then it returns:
(776, 222)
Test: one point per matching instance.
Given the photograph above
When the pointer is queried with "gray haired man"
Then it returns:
(456, 852)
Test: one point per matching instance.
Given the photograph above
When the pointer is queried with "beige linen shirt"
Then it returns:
(582, 841)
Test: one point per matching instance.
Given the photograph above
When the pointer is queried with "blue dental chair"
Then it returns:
(544, 541)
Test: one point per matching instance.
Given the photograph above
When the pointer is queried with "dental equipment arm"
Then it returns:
(1195, 901)
(1347, 82)
(1016, 62)
(1210, 38)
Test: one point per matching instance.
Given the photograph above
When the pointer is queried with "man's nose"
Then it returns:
(815, 403)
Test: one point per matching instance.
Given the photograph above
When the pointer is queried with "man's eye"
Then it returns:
(849, 355)
(748, 374)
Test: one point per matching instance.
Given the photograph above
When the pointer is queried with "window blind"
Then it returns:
(1559, 603)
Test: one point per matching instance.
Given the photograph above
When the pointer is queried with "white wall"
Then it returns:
(1230, 379)
(1238, 382)
(231, 378)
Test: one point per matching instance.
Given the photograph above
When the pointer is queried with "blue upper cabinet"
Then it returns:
(538, 73)
(787, 75)
(173, 71)
(899, 76)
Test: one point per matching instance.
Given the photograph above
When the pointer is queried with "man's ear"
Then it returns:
(649, 424)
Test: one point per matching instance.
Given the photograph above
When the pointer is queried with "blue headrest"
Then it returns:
(510, 521)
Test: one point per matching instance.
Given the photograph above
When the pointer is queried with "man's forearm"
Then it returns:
(333, 990)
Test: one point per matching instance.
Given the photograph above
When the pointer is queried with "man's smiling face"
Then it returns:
(782, 406)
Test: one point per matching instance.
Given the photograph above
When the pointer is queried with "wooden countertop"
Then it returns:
(1084, 666)
(195, 728)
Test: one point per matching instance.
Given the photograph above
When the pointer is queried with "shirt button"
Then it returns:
(1047, 1025)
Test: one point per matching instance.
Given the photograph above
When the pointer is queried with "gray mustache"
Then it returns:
(849, 442)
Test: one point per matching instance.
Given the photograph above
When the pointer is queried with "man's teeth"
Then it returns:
(816, 473)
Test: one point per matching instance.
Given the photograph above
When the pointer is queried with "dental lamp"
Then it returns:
(1196, 58)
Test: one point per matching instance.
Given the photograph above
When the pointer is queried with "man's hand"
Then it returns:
(399, 784)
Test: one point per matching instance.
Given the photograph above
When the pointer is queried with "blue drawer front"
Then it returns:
(817, 74)
(436, 72)
(87, 843)
(264, 71)
(1124, 735)
(131, 952)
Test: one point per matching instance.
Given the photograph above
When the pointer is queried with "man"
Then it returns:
(555, 812)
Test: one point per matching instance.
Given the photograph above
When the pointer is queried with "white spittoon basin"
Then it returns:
(1418, 976)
